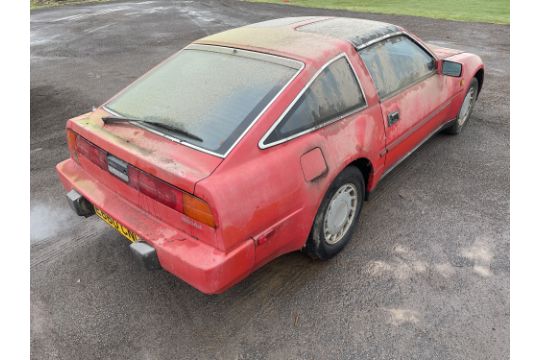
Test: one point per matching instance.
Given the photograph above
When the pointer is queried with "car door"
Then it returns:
(410, 93)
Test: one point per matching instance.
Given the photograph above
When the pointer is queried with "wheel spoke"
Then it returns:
(467, 106)
(340, 213)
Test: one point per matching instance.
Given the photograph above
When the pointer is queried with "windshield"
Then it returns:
(213, 93)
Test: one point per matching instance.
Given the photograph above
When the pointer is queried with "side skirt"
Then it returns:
(443, 126)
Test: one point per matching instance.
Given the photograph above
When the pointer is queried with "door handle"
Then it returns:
(393, 117)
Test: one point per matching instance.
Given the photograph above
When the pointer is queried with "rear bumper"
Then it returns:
(200, 265)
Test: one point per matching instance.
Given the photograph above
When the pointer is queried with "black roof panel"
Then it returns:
(357, 31)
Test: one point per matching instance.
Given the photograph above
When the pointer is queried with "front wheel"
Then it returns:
(337, 216)
(466, 109)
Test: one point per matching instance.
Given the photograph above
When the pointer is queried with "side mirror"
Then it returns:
(451, 68)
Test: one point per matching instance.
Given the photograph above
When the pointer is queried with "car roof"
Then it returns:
(359, 32)
(296, 37)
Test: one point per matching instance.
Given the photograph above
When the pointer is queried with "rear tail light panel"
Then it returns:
(153, 187)
(72, 144)
(91, 152)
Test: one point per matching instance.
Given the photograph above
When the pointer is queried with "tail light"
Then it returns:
(80, 146)
(153, 187)
(91, 152)
(198, 209)
(171, 196)
(72, 144)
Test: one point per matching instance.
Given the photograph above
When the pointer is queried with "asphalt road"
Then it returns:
(426, 275)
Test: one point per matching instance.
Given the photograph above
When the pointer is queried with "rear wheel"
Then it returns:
(466, 109)
(337, 216)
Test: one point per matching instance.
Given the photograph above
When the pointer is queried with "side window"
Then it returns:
(333, 93)
(396, 63)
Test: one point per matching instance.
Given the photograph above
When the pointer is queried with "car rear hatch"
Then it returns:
(170, 161)
(112, 153)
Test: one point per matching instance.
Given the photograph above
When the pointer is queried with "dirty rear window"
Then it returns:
(213, 93)
(333, 93)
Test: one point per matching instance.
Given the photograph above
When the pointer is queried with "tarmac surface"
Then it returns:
(426, 275)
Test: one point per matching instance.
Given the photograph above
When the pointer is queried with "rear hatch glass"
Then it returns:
(213, 93)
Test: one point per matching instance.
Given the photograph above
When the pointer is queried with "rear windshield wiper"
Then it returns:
(114, 119)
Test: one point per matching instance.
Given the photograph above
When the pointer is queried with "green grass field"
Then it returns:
(491, 11)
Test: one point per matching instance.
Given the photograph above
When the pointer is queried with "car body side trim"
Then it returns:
(263, 146)
(397, 33)
(418, 125)
(429, 136)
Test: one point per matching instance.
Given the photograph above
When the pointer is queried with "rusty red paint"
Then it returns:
(264, 200)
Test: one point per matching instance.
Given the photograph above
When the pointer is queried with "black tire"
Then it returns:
(458, 124)
(317, 247)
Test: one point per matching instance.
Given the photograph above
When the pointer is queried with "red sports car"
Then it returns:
(262, 140)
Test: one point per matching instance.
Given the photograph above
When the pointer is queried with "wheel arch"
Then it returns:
(479, 75)
(364, 165)
(366, 168)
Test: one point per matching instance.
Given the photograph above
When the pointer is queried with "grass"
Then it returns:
(490, 11)
(39, 4)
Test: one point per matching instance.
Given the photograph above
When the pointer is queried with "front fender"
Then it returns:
(472, 65)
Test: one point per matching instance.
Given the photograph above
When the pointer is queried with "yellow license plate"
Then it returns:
(130, 235)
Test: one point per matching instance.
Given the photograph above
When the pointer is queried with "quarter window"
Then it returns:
(396, 63)
(333, 93)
